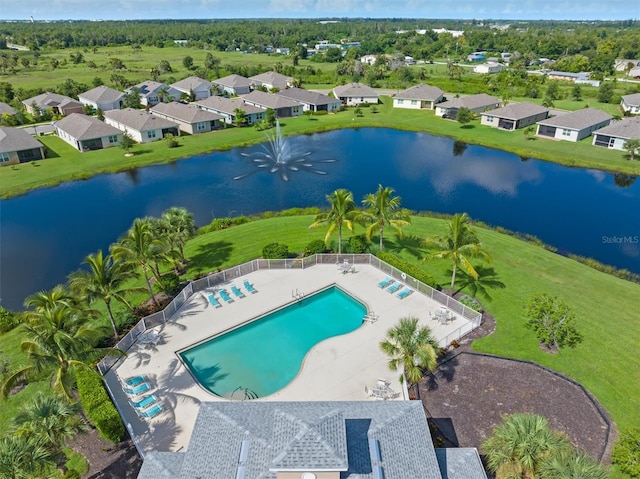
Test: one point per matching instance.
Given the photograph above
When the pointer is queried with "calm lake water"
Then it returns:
(46, 234)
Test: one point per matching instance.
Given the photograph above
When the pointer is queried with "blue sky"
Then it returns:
(459, 9)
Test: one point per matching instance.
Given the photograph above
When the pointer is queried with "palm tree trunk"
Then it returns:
(340, 239)
(153, 296)
(381, 233)
(453, 276)
(111, 318)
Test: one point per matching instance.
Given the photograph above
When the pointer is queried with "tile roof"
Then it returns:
(517, 111)
(577, 120)
(101, 93)
(632, 100)
(4, 108)
(420, 92)
(354, 89)
(16, 139)
(272, 78)
(139, 119)
(190, 83)
(83, 127)
(183, 112)
(472, 102)
(228, 105)
(627, 128)
(233, 81)
(307, 96)
(49, 100)
(460, 463)
(269, 100)
(262, 438)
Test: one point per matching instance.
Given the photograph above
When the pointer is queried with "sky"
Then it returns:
(201, 9)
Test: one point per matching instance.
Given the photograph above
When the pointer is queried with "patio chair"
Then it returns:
(404, 293)
(145, 402)
(249, 287)
(224, 295)
(134, 381)
(237, 292)
(136, 391)
(214, 302)
(385, 282)
(150, 337)
(149, 413)
(395, 287)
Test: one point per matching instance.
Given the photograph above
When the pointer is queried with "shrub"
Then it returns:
(315, 247)
(171, 284)
(98, 406)
(223, 223)
(472, 303)
(358, 244)
(8, 320)
(626, 453)
(275, 251)
(172, 141)
(409, 268)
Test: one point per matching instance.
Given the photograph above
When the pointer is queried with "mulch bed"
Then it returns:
(107, 460)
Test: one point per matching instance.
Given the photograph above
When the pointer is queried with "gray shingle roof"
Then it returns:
(16, 139)
(632, 100)
(307, 96)
(83, 127)
(162, 465)
(4, 108)
(420, 92)
(300, 435)
(233, 81)
(577, 120)
(354, 89)
(270, 100)
(139, 119)
(228, 105)
(272, 78)
(517, 111)
(101, 93)
(49, 100)
(147, 87)
(190, 83)
(460, 463)
(627, 128)
(472, 102)
(186, 113)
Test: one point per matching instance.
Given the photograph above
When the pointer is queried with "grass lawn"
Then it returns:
(67, 164)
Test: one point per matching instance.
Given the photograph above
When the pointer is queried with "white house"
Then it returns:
(233, 85)
(476, 103)
(489, 67)
(355, 93)
(86, 133)
(312, 100)
(195, 86)
(102, 98)
(271, 80)
(631, 103)
(514, 116)
(417, 97)
(573, 126)
(153, 92)
(142, 126)
(227, 107)
(618, 133)
(189, 118)
(18, 146)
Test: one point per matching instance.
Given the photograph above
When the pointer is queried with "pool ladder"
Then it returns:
(297, 294)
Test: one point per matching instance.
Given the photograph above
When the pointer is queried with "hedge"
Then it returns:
(409, 268)
(98, 406)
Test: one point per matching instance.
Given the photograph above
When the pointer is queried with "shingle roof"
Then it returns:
(147, 87)
(354, 89)
(460, 463)
(472, 102)
(272, 78)
(627, 128)
(101, 93)
(4, 108)
(83, 127)
(190, 83)
(517, 111)
(139, 119)
(49, 100)
(307, 96)
(187, 113)
(632, 100)
(233, 81)
(16, 139)
(270, 100)
(228, 105)
(420, 92)
(304, 436)
(577, 120)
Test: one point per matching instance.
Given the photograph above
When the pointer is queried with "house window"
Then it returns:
(113, 139)
(401, 102)
(26, 155)
(201, 126)
(566, 132)
(489, 119)
(414, 102)
(151, 134)
(4, 157)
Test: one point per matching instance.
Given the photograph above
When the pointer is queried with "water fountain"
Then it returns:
(278, 156)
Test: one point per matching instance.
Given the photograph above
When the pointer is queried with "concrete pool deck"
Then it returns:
(337, 369)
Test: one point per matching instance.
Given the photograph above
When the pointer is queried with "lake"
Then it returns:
(46, 234)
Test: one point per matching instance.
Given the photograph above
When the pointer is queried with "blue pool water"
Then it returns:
(265, 355)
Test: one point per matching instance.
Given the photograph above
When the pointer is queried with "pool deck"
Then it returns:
(337, 369)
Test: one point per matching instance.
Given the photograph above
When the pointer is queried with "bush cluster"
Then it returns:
(223, 223)
(315, 247)
(8, 320)
(409, 268)
(275, 251)
(98, 406)
(358, 244)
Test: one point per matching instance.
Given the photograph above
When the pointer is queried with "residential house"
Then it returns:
(477, 57)
(189, 118)
(283, 106)
(226, 107)
(18, 146)
(271, 80)
(573, 126)
(153, 92)
(617, 133)
(311, 100)
(355, 93)
(102, 98)
(631, 104)
(6, 109)
(514, 116)
(634, 72)
(580, 78)
(312, 440)
(86, 133)
(142, 126)
(419, 96)
(476, 103)
(369, 59)
(489, 67)
(233, 85)
(58, 104)
(622, 65)
(195, 86)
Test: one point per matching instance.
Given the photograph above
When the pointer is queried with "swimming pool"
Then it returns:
(265, 355)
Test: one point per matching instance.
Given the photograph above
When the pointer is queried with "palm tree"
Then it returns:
(520, 444)
(106, 279)
(23, 457)
(58, 296)
(341, 213)
(411, 347)
(571, 464)
(631, 146)
(383, 209)
(459, 244)
(179, 226)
